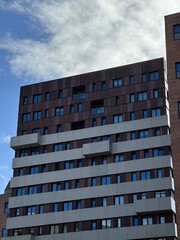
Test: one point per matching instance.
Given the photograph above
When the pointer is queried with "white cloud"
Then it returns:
(85, 35)
(4, 139)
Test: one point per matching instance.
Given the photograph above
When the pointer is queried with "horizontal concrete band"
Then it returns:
(35, 139)
(120, 147)
(92, 171)
(92, 192)
(127, 233)
(146, 206)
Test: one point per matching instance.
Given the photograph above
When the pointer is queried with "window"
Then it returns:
(105, 138)
(104, 201)
(45, 130)
(157, 152)
(24, 152)
(31, 210)
(60, 94)
(42, 188)
(159, 173)
(55, 207)
(104, 160)
(47, 96)
(156, 112)
(117, 100)
(134, 176)
(25, 101)
(145, 175)
(117, 83)
(37, 115)
(26, 117)
(21, 191)
(106, 180)
(35, 151)
(144, 134)
(18, 232)
(77, 183)
(176, 31)
(79, 92)
(133, 156)
(135, 221)
(80, 164)
(37, 98)
(143, 77)
(119, 224)
(145, 114)
(17, 212)
(34, 170)
(21, 171)
(103, 121)
(142, 96)
(6, 207)
(178, 109)
(68, 146)
(56, 187)
(78, 204)
(59, 111)
(160, 194)
(146, 154)
(103, 85)
(157, 132)
(97, 106)
(135, 198)
(72, 108)
(154, 76)
(66, 185)
(118, 178)
(133, 135)
(132, 116)
(67, 206)
(46, 113)
(54, 229)
(93, 182)
(117, 118)
(94, 87)
(58, 128)
(106, 223)
(132, 98)
(32, 190)
(93, 203)
(131, 80)
(80, 107)
(68, 165)
(36, 130)
(162, 219)
(178, 70)
(94, 124)
(4, 232)
(119, 200)
(147, 221)
(155, 93)
(93, 225)
(58, 147)
(118, 158)
(143, 195)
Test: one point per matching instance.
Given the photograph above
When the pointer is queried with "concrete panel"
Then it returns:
(96, 149)
(30, 140)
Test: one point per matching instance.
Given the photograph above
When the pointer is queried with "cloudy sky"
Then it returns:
(46, 39)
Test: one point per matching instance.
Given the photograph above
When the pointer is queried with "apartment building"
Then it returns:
(96, 156)
(4, 198)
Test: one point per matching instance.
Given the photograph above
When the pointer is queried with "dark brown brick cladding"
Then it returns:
(173, 56)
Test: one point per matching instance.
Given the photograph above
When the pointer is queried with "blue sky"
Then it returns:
(46, 39)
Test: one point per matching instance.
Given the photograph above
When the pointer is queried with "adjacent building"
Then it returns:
(96, 156)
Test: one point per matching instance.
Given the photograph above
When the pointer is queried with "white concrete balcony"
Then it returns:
(97, 148)
(23, 141)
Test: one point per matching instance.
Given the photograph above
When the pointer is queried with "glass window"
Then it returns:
(32, 190)
(146, 154)
(104, 201)
(145, 114)
(106, 223)
(147, 221)
(55, 207)
(93, 182)
(68, 146)
(160, 194)
(93, 225)
(6, 207)
(21, 191)
(58, 147)
(117, 118)
(132, 97)
(155, 93)
(118, 178)
(134, 176)
(59, 111)
(176, 31)
(93, 203)
(45, 130)
(4, 232)
(143, 77)
(37, 115)
(80, 107)
(68, 165)
(34, 170)
(17, 212)
(103, 121)
(157, 152)
(117, 83)
(47, 96)
(145, 175)
(132, 116)
(118, 157)
(119, 200)
(35, 151)
(103, 85)
(106, 180)
(36, 130)
(94, 124)
(133, 135)
(156, 112)
(21, 171)
(60, 94)
(94, 87)
(131, 80)
(159, 173)
(144, 134)
(66, 185)
(142, 96)
(154, 76)
(37, 98)
(26, 117)
(58, 128)
(72, 108)
(133, 156)
(178, 70)
(117, 100)
(135, 221)
(162, 219)
(67, 206)
(56, 187)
